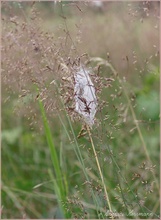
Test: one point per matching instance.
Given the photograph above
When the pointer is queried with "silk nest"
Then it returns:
(85, 96)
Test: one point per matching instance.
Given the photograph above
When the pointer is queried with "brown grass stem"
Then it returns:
(99, 168)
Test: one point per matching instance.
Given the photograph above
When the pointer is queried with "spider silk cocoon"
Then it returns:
(85, 98)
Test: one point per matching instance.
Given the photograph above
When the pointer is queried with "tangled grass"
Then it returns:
(54, 165)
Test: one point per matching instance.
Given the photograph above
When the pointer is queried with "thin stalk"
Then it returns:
(141, 136)
(99, 168)
(106, 63)
(77, 151)
(80, 158)
(136, 124)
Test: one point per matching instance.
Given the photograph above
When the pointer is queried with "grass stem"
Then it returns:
(99, 168)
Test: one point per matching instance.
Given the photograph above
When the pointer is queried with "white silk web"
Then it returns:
(84, 94)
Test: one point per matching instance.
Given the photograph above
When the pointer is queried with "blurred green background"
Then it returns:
(36, 37)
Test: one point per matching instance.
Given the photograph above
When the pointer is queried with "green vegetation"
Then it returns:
(53, 165)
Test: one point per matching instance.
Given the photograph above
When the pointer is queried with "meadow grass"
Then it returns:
(49, 168)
